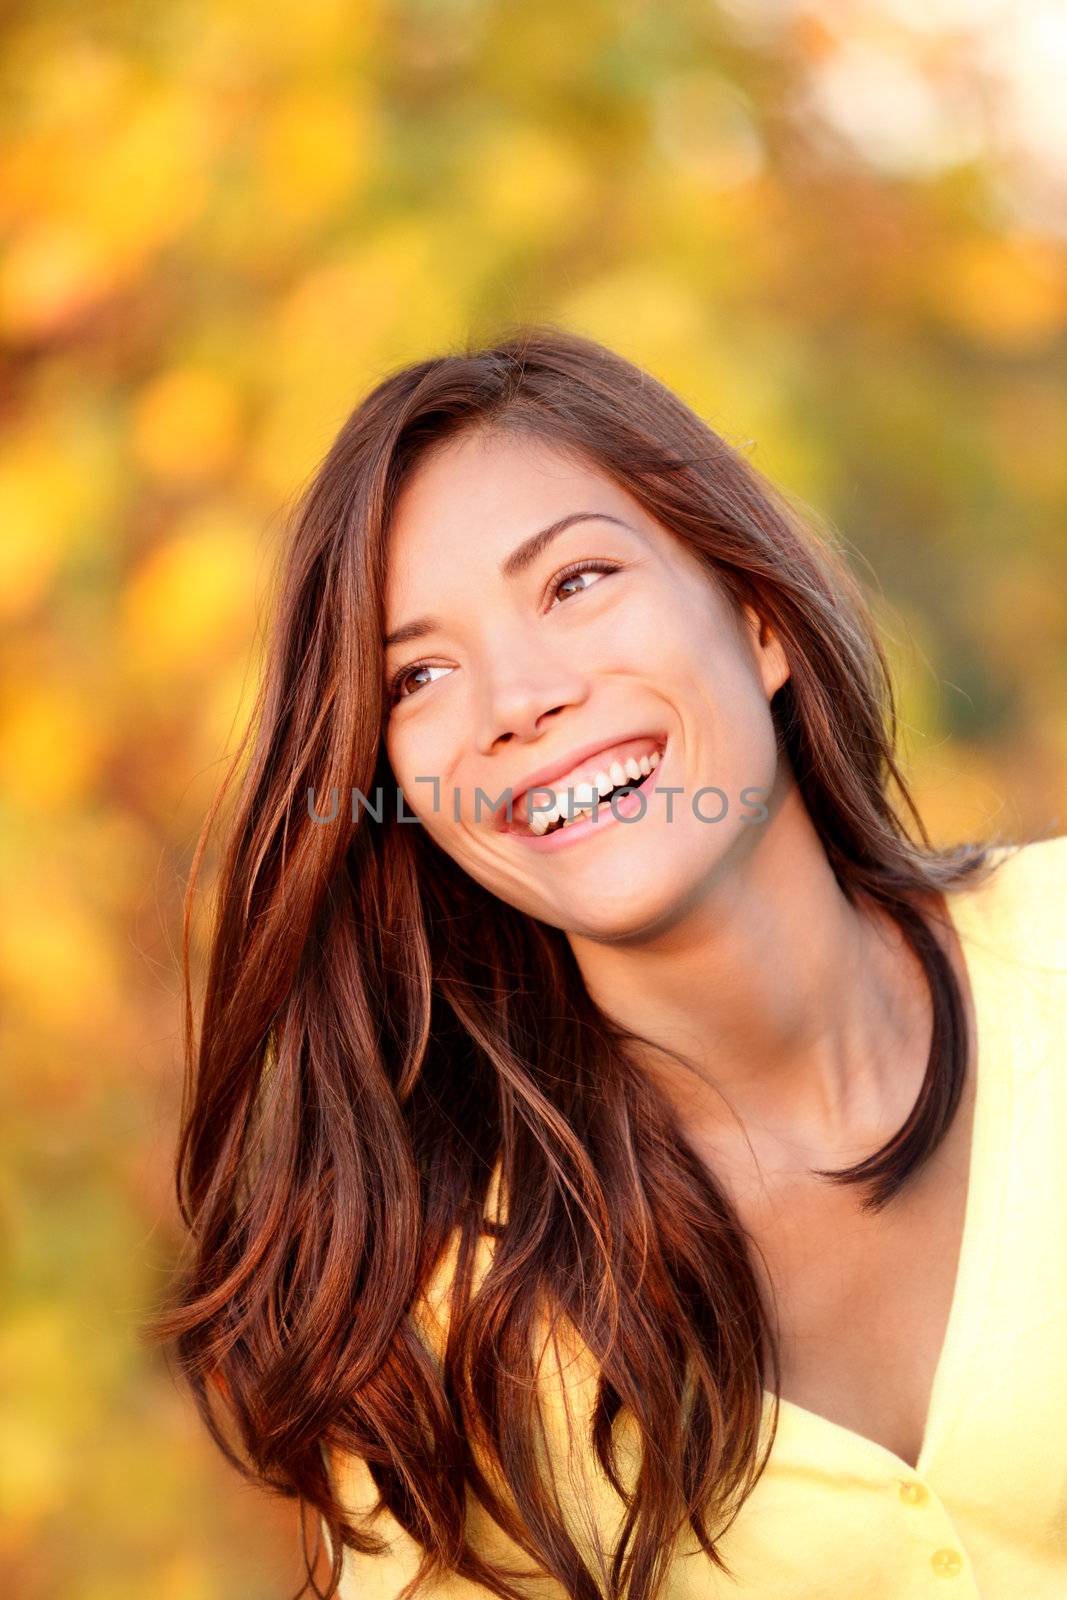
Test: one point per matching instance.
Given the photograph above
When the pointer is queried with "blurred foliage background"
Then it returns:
(838, 229)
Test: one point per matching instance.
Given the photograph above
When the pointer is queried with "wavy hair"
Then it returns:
(374, 1039)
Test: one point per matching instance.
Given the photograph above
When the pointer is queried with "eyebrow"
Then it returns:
(523, 556)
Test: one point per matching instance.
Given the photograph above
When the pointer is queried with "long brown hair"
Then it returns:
(374, 1038)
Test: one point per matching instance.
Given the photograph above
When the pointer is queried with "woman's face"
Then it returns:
(553, 658)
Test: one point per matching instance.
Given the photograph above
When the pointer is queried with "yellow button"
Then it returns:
(946, 1563)
(912, 1493)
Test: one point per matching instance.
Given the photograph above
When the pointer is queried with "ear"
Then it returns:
(770, 654)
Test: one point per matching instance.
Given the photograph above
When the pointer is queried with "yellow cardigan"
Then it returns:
(834, 1515)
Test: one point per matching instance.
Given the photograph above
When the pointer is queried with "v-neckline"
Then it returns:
(966, 1292)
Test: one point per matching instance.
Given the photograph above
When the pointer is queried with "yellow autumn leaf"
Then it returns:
(185, 423)
(1003, 291)
(316, 148)
(51, 747)
(191, 600)
(57, 964)
(150, 174)
(527, 183)
(50, 274)
(33, 1471)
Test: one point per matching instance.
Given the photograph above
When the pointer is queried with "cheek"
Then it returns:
(726, 712)
(425, 762)
(398, 755)
(745, 750)
(413, 758)
(677, 627)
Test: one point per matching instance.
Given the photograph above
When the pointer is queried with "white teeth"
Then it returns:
(588, 792)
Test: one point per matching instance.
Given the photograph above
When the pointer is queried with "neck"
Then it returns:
(804, 1019)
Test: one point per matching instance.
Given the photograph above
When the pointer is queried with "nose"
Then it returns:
(525, 687)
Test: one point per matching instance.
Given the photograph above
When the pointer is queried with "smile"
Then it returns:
(574, 802)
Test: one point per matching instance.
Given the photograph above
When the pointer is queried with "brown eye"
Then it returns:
(397, 690)
(579, 570)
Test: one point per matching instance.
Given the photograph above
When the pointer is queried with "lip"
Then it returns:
(545, 776)
(575, 832)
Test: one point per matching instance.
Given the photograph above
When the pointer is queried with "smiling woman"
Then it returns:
(599, 639)
(639, 1177)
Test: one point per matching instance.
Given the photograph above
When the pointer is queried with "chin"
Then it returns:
(630, 902)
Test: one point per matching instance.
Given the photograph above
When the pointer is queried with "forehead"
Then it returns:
(487, 489)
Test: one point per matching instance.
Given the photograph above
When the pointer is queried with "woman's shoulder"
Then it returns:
(1034, 863)
(1018, 906)
(1013, 928)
